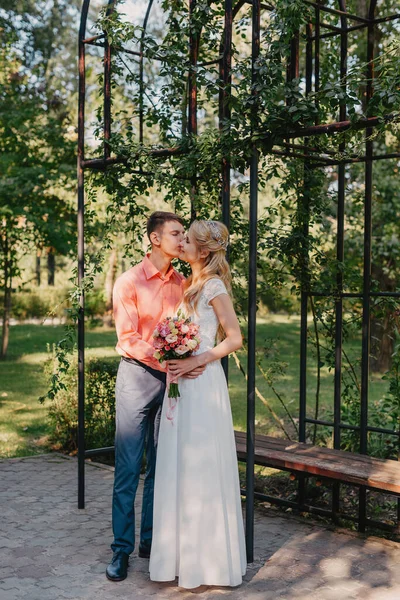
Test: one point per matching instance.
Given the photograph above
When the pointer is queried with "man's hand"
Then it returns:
(195, 373)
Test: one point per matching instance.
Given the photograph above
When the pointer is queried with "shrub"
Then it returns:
(39, 302)
(100, 378)
(95, 303)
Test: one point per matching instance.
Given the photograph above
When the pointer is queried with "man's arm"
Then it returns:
(126, 323)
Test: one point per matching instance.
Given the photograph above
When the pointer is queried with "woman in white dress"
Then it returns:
(198, 533)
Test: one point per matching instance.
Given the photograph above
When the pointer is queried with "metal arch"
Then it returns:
(80, 224)
(141, 82)
(316, 129)
(340, 220)
(372, 8)
(107, 89)
(83, 22)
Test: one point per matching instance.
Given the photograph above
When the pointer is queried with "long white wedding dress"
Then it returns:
(198, 533)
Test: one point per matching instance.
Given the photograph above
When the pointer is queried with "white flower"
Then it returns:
(156, 333)
(181, 350)
(171, 338)
(157, 355)
(192, 344)
(184, 328)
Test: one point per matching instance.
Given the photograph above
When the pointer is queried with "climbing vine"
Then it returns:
(296, 226)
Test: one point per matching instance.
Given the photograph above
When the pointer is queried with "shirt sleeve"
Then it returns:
(214, 288)
(126, 324)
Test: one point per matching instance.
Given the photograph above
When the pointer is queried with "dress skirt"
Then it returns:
(198, 533)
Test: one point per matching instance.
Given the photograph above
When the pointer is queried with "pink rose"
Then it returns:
(164, 330)
(193, 329)
(181, 350)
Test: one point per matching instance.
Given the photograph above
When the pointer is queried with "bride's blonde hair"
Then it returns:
(212, 236)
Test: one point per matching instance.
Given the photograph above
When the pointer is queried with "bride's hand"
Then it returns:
(195, 373)
(181, 367)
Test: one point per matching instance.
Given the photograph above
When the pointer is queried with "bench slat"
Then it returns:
(335, 464)
(317, 452)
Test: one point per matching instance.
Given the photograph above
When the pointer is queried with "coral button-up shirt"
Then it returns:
(142, 297)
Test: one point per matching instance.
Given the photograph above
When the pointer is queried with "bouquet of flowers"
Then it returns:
(175, 337)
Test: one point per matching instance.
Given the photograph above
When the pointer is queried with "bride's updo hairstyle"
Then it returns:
(212, 236)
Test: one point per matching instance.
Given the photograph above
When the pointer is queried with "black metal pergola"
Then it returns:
(316, 32)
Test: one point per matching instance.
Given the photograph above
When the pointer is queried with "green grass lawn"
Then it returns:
(286, 335)
(23, 420)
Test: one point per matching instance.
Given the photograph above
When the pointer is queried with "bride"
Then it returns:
(198, 531)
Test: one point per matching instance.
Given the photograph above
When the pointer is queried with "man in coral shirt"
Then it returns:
(143, 296)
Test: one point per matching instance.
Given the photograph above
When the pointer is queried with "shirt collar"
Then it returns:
(151, 271)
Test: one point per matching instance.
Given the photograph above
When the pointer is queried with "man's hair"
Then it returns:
(159, 218)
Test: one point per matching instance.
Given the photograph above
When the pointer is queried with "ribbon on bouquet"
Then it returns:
(172, 398)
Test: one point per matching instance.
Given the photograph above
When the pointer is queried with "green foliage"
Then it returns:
(50, 302)
(36, 155)
(296, 248)
(383, 413)
(100, 378)
(37, 167)
(46, 302)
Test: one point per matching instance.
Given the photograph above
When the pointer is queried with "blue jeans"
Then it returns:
(139, 394)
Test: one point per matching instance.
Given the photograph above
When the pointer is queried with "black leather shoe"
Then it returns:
(118, 567)
(144, 551)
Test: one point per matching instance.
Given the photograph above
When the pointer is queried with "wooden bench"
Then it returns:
(338, 465)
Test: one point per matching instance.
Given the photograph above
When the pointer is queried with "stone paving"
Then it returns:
(50, 550)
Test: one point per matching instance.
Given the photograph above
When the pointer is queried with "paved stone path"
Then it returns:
(50, 550)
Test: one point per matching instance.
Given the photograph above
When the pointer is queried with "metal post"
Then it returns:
(366, 316)
(316, 58)
(303, 202)
(224, 115)
(107, 89)
(251, 358)
(192, 120)
(339, 258)
(81, 259)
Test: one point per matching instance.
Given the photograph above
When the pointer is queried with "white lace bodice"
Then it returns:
(205, 316)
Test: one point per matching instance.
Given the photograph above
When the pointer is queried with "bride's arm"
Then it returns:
(226, 315)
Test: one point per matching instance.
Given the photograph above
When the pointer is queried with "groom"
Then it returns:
(143, 296)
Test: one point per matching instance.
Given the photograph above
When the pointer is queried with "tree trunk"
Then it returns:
(38, 266)
(110, 278)
(51, 266)
(382, 327)
(7, 302)
(382, 343)
(6, 322)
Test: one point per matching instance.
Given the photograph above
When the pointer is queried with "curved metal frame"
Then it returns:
(312, 159)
